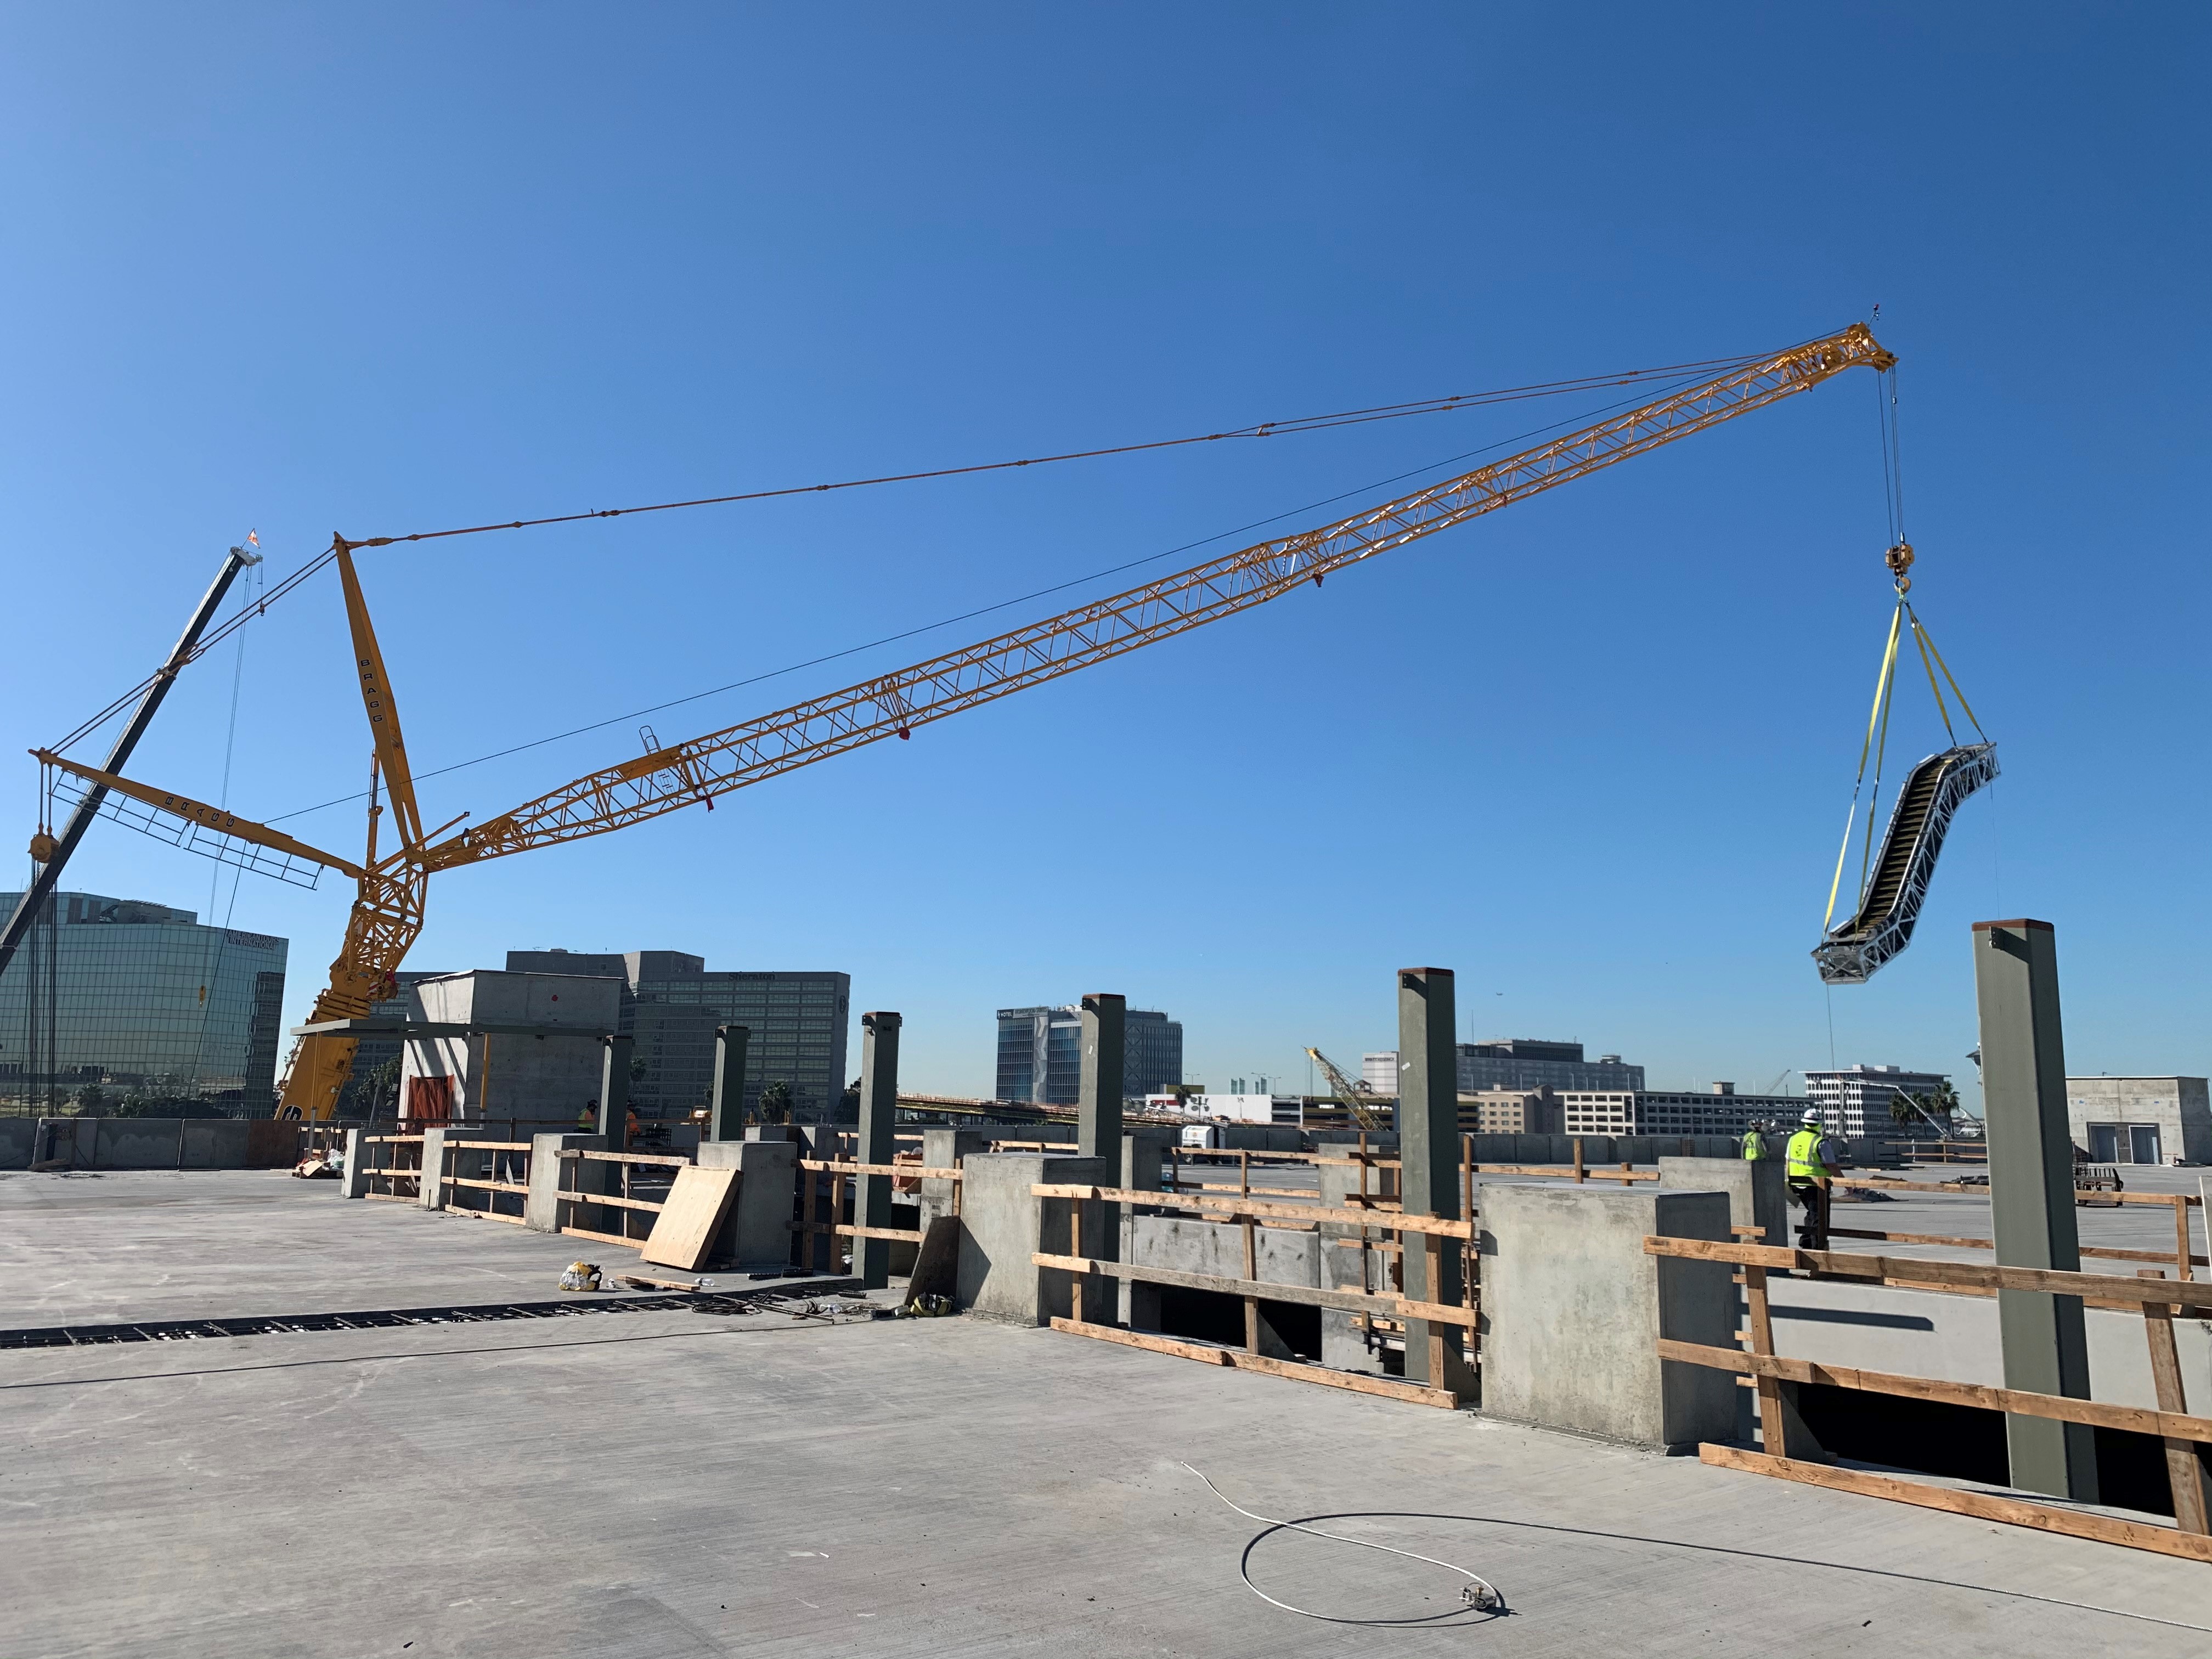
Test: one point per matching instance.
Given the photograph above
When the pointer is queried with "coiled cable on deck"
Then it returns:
(1478, 1594)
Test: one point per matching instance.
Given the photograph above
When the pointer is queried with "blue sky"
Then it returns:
(401, 268)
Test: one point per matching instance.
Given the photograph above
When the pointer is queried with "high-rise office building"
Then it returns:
(670, 1004)
(137, 997)
(1041, 1054)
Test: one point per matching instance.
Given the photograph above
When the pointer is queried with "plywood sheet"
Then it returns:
(684, 1231)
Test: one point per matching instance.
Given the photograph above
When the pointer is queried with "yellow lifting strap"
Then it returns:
(1927, 643)
(1877, 720)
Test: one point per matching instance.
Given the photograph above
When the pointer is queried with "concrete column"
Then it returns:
(1098, 1112)
(432, 1195)
(879, 1041)
(2046, 1349)
(727, 1119)
(1099, 1117)
(1428, 1145)
(354, 1182)
(614, 1091)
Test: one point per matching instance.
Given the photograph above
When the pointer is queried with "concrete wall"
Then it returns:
(758, 1235)
(1002, 1224)
(1757, 1190)
(1572, 1310)
(148, 1143)
(548, 1078)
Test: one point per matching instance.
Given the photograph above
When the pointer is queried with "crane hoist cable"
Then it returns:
(1890, 889)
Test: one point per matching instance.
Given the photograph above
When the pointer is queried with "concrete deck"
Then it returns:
(672, 1484)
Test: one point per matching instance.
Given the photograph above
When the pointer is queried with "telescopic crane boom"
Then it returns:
(388, 909)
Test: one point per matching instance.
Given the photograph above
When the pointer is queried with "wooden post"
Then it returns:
(1251, 1271)
(806, 1180)
(1432, 1248)
(1579, 1161)
(1077, 1303)
(1761, 1323)
(1366, 1276)
(2181, 1237)
(2183, 1470)
(1243, 1174)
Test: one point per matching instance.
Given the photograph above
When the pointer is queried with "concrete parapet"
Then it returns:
(354, 1182)
(1572, 1310)
(16, 1136)
(1002, 1224)
(432, 1194)
(541, 1209)
(1757, 1190)
(758, 1235)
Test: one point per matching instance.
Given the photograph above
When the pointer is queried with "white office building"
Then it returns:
(1857, 1100)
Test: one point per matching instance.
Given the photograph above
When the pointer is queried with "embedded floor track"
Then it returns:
(185, 1330)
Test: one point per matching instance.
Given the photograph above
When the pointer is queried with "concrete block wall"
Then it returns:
(148, 1143)
(1757, 1190)
(758, 1235)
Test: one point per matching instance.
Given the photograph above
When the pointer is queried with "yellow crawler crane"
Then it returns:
(1364, 1105)
(388, 909)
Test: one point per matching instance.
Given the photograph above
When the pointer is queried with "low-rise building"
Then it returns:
(2140, 1119)
(546, 1079)
(1858, 1100)
(1718, 1111)
(1512, 1112)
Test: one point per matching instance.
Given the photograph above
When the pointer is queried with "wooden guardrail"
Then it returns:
(449, 1182)
(2159, 1301)
(841, 1170)
(2179, 1203)
(1250, 1213)
(567, 1197)
(391, 1171)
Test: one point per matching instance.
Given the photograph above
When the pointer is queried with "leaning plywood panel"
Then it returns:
(684, 1231)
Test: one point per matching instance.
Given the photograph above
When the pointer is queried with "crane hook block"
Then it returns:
(1900, 560)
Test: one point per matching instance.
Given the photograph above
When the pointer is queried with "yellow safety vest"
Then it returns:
(1804, 1155)
(1754, 1147)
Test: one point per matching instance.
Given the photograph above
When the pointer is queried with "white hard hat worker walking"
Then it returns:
(1812, 1165)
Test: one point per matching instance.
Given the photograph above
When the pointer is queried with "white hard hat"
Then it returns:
(1812, 1115)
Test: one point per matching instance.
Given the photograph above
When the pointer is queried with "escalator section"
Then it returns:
(1891, 902)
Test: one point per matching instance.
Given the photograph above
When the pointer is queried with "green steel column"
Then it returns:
(614, 1090)
(1098, 1115)
(726, 1120)
(1428, 1152)
(2032, 1198)
(1098, 1123)
(879, 1041)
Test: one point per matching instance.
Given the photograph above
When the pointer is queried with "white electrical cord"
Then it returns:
(1478, 1594)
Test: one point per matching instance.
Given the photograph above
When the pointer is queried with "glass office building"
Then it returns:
(1041, 1054)
(672, 1004)
(137, 997)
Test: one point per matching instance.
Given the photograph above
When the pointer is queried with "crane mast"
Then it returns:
(387, 914)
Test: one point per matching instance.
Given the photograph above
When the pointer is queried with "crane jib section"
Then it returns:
(892, 705)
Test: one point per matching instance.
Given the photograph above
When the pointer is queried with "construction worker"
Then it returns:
(588, 1120)
(1812, 1165)
(1755, 1143)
